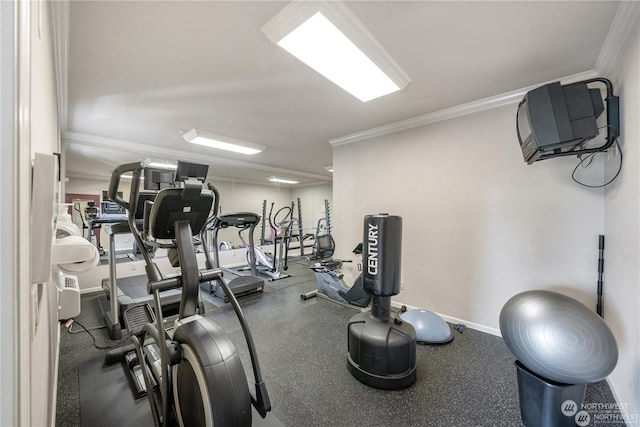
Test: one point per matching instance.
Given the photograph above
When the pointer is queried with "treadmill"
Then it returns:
(239, 284)
(130, 291)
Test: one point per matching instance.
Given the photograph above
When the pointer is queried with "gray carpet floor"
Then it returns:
(302, 348)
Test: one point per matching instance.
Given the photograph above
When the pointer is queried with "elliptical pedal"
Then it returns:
(136, 317)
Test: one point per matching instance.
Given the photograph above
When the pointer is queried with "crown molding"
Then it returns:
(144, 150)
(625, 18)
(496, 101)
(60, 12)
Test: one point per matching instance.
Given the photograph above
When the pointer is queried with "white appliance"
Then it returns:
(70, 255)
(69, 298)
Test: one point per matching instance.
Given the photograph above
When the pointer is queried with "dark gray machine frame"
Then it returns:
(196, 358)
(129, 291)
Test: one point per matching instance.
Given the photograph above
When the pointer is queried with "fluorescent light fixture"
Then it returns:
(281, 180)
(200, 137)
(329, 168)
(163, 165)
(329, 38)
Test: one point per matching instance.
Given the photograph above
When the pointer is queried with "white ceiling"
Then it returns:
(141, 71)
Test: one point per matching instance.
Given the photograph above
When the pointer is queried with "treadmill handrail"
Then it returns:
(176, 282)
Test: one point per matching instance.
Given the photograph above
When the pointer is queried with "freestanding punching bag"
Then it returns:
(382, 349)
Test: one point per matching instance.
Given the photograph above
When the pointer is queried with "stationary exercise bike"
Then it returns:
(331, 284)
(192, 371)
(274, 265)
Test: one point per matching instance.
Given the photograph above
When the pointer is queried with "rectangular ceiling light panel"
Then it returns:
(197, 136)
(329, 38)
(282, 180)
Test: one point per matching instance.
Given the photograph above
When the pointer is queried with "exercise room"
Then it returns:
(340, 213)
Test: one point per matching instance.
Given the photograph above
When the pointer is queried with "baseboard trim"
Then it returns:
(623, 407)
(455, 320)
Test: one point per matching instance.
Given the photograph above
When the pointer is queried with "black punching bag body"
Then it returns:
(381, 349)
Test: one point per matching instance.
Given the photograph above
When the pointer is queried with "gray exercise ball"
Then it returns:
(558, 338)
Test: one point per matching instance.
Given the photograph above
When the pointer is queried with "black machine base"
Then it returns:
(136, 375)
(546, 403)
(382, 354)
(240, 286)
(113, 326)
(134, 319)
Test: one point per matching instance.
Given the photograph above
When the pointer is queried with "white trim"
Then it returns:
(56, 369)
(450, 319)
(95, 289)
(144, 150)
(624, 409)
(8, 187)
(60, 11)
(450, 113)
(623, 21)
(212, 178)
(21, 203)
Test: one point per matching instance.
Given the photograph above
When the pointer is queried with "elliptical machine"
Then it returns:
(197, 369)
(274, 265)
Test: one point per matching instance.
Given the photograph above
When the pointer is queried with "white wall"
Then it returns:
(479, 224)
(7, 189)
(92, 186)
(234, 197)
(237, 197)
(44, 139)
(312, 198)
(243, 197)
(622, 231)
(32, 375)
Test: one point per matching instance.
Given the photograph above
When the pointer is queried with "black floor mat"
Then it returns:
(107, 398)
(303, 354)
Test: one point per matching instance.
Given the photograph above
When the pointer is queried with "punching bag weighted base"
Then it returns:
(381, 353)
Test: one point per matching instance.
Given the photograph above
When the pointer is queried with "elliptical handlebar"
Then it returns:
(203, 233)
(274, 223)
(136, 169)
(216, 202)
